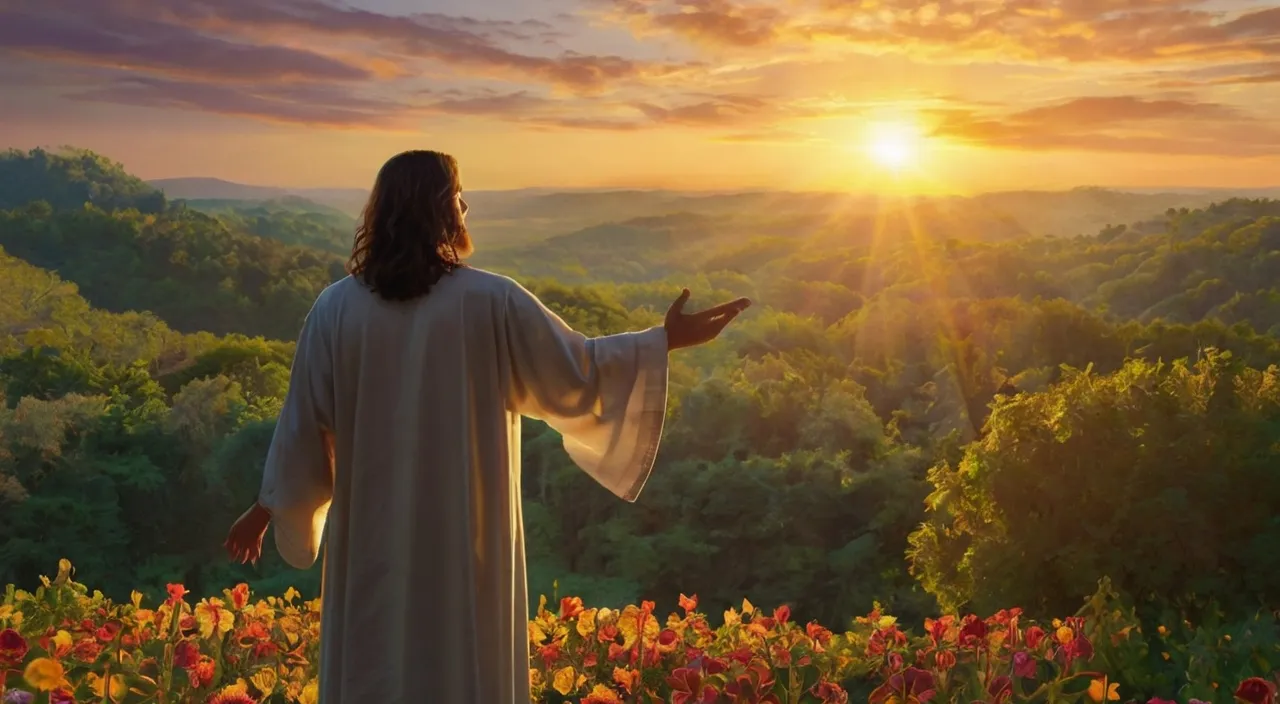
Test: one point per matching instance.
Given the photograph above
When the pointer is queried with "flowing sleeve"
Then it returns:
(297, 481)
(606, 396)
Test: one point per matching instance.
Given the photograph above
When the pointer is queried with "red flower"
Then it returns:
(1000, 689)
(1035, 635)
(62, 696)
(895, 662)
(685, 685)
(782, 614)
(616, 652)
(1023, 665)
(755, 686)
(1256, 690)
(938, 629)
(912, 685)
(714, 666)
(108, 631)
(688, 603)
(176, 592)
(570, 607)
(202, 674)
(87, 650)
(186, 654)
(820, 635)
(1078, 649)
(830, 693)
(550, 653)
(973, 631)
(944, 660)
(1158, 700)
(240, 596)
(607, 633)
(13, 647)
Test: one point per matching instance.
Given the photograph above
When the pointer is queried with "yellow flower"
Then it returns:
(535, 677)
(536, 635)
(16, 619)
(5, 611)
(212, 615)
(1162, 631)
(747, 608)
(62, 641)
(629, 626)
(264, 680)
(1065, 635)
(1164, 655)
(135, 597)
(587, 623)
(1101, 690)
(731, 618)
(310, 693)
(45, 674)
(290, 594)
(99, 684)
(563, 681)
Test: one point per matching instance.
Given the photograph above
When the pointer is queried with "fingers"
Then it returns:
(734, 307)
(678, 307)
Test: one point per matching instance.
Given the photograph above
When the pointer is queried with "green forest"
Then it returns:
(918, 414)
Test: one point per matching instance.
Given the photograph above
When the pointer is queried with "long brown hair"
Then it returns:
(412, 231)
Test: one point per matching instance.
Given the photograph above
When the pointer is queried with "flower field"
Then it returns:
(63, 643)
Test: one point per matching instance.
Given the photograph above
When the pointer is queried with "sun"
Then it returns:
(894, 145)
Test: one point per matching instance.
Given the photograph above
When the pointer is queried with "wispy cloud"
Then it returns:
(1136, 31)
(1116, 124)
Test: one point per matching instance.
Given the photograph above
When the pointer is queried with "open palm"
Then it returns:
(690, 329)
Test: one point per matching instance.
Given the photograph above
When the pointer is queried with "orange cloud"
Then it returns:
(1115, 124)
(1136, 31)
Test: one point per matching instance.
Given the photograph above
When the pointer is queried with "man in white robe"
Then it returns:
(399, 441)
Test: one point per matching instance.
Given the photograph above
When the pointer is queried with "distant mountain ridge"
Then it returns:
(348, 200)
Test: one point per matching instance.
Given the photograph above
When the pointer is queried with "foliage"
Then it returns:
(70, 178)
(1113, 475)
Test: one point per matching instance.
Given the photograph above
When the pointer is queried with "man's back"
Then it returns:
(425, 551)
(424, 579)
(399, 440)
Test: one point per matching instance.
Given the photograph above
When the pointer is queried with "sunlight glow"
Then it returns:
(894, 145)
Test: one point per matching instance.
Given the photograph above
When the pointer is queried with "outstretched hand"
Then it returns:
(244, 542)
(690, 329)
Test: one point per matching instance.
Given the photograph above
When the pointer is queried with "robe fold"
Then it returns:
(424, 596)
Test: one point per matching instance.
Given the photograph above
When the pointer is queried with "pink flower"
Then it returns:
(1024, 665)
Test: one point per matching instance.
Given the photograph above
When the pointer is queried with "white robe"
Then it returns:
(424, 593)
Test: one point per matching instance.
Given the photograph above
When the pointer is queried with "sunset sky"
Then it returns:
(955, 96)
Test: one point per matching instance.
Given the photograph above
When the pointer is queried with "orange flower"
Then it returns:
(1101, 690)
(689, 603)
(627, 679)
(570, 606)
(601, 694)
